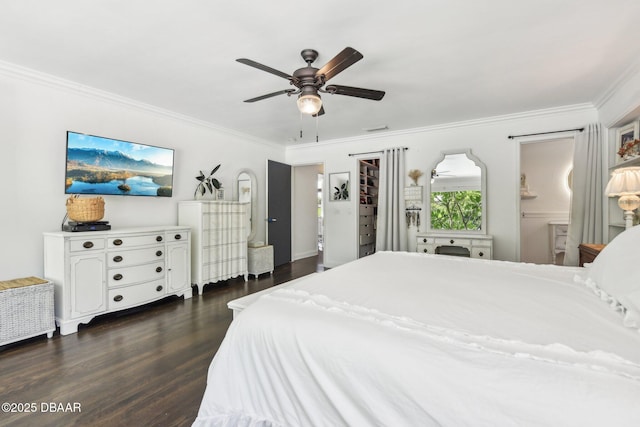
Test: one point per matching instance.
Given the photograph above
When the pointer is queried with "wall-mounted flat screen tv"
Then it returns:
(98, 165)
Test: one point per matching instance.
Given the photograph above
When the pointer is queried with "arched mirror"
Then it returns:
(457, 194)
(247, 188)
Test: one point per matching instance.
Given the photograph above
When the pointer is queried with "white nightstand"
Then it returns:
(260, 260)
(558, 231)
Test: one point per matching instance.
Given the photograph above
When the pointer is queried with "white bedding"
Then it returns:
(404, 339)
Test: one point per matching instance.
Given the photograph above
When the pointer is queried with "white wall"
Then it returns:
(546, 166)
(35, 113)
(488, 140)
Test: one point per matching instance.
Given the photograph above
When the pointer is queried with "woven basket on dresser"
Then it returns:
(26, 309)
(85, 210)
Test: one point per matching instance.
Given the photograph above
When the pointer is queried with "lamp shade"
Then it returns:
(624, 182)
(309, 103)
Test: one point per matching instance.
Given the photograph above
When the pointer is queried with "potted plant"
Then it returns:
(207, 183)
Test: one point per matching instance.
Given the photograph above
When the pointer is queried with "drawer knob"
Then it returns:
(159, 239)
(118, 298)
(158, 269)
(424, 240)
(481, 253)
(451, 241)
(159, 288)
(425, 251)
(117, 258)
(117, 276)
(158, 253)
(87, 245)
(117, 242)
(178, 236)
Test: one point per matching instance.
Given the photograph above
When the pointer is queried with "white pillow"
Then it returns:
(616, 270)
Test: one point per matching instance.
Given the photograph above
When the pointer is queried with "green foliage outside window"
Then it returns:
(456, 210)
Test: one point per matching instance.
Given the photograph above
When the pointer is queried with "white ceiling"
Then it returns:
(439, 61)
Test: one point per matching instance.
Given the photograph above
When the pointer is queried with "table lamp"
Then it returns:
(625, 183)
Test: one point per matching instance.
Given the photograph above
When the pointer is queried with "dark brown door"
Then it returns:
(279, 211)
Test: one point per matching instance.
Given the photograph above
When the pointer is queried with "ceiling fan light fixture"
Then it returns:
(309, 103)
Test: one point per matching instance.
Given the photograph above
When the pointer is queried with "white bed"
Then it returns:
(405, 339)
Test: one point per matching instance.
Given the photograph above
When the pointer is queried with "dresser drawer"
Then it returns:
(366, 228)
(481, 252)
(366, 250)
(221, 253)
(366, 219)
(366, 210)
(177, 236)
(133, 241)
(425, 240)
(365, 239)
(216, 221)
(86, 244)
(135, 256)
(562, 230)
(452, 241)
(139, 273)
(425, 249)
(132, 296)
(560, 243)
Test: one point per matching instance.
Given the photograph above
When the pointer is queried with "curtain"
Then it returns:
(391, 234)
(586, 218)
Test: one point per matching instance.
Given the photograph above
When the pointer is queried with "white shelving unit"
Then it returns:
(615, 222)
(368, 208)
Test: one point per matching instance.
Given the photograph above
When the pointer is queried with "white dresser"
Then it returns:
(469, 245)
(100, 272)
(218, 241)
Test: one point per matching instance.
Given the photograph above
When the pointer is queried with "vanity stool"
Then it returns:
(260, 260)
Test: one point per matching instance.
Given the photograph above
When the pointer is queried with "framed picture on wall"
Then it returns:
(626, 135)
(339, 186)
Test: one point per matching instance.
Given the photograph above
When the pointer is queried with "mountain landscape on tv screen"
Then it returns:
(98, 171)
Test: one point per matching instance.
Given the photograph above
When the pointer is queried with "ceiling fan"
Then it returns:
(310, 80)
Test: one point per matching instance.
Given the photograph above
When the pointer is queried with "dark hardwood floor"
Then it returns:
(141, 367)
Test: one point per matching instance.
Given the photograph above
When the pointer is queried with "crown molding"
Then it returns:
(453, 125)
(32, 76)
(623, 79)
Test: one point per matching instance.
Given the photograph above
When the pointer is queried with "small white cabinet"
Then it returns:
(467, 245)
(558, 231)
(99, 272)
(260, 260)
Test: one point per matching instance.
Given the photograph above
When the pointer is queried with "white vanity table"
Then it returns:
(456, 200)
(469, 245)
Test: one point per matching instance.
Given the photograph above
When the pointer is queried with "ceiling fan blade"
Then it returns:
(269, 95)
(340, 62)
(358, 92)
(259, 66)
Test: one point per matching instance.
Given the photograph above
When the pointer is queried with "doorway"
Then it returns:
(545, 199)
(307, 213)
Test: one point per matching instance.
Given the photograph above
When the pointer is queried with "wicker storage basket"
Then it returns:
(26, 309)
(85, 210)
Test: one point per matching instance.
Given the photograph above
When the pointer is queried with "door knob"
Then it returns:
(271, 220)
